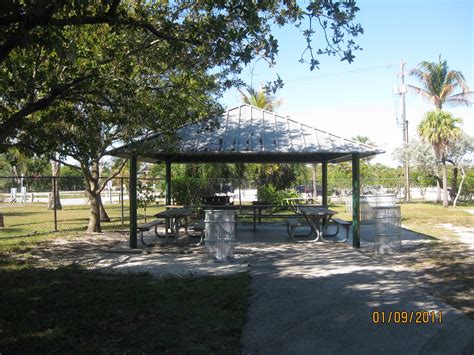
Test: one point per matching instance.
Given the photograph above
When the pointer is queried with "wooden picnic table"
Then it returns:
(316, 217)
(174, 219)
(256, 210)
(295, 201)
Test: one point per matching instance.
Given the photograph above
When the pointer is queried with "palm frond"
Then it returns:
(469, 95)
(452, 101)
(260, 99)
(424, 93)
(438, 83)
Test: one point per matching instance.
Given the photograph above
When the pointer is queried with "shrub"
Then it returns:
(187, 191)
(269, 194)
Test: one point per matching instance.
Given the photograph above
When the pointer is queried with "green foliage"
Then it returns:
(71, 179)
(146, 195)
(260, 99)
(16, 163)
(271, 195)
(187, 190)
(282, 176)
(467, 193)
(54, 53)
(439, 84)
(439, 128)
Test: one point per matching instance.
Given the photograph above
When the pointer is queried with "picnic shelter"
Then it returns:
(246, 134)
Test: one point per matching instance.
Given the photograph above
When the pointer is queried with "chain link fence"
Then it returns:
(27, 206)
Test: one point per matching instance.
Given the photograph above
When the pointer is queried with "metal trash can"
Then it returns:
(220, 234)
(367, 203)
(387, 228)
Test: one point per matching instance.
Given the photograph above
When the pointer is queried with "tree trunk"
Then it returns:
(454, 183)
(53, 199)
(104, 217)
(93, 188)
(94, 218)
(445, 184)
(463, 176)
(438, 190)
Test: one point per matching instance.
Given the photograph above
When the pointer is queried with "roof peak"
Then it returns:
(287, 117)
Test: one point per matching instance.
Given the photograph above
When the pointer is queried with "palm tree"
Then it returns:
(439, 84)
(439, 129)
(270, 173)
(260, 99)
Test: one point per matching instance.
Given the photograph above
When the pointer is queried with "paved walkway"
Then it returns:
(319, 298)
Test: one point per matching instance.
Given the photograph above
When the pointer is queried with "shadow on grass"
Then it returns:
(70, 309)
(24, 214)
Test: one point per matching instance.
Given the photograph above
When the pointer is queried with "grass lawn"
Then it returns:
(44, 310)
(34, 221)
(72, 310)
(428, 218)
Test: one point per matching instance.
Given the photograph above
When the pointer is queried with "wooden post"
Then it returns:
(355, 201)
(133, 202)
(325, 182)
(168, 182)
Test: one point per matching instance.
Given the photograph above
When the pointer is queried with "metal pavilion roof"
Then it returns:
(250, 134)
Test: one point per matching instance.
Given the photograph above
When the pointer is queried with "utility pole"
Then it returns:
(406, 172)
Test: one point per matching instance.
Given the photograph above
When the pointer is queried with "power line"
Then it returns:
(386, 66)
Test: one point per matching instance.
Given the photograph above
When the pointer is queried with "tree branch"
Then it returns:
(17, 39)
(17, 119)
(114, 175)
(65, 164)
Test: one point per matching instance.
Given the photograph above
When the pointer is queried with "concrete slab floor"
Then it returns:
(320, 298)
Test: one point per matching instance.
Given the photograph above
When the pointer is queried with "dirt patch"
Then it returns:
(110, 252)
(465, 234)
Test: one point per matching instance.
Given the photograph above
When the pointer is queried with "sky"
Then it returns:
(357, 98)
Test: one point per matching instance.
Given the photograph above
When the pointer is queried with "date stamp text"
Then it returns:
(407, 317)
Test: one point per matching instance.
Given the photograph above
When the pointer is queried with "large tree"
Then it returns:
(440, 85)
(136, 94)
(460, 156)
(278, 175)
(77, 77)
(41, 67)
(440, 129)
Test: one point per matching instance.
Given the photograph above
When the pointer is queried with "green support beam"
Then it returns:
(325, 182)
(355, 201)
(168, 182)
(133, 202)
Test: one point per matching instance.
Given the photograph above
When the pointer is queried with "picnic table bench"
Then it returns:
(318, 218)
(200, 227)
(343, 223)
(145, 227)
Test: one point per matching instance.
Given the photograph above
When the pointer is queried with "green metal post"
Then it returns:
(55, 201)
(355, 201)
(133, 202)
(168, 182)
(325, 182)
(121, 200)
